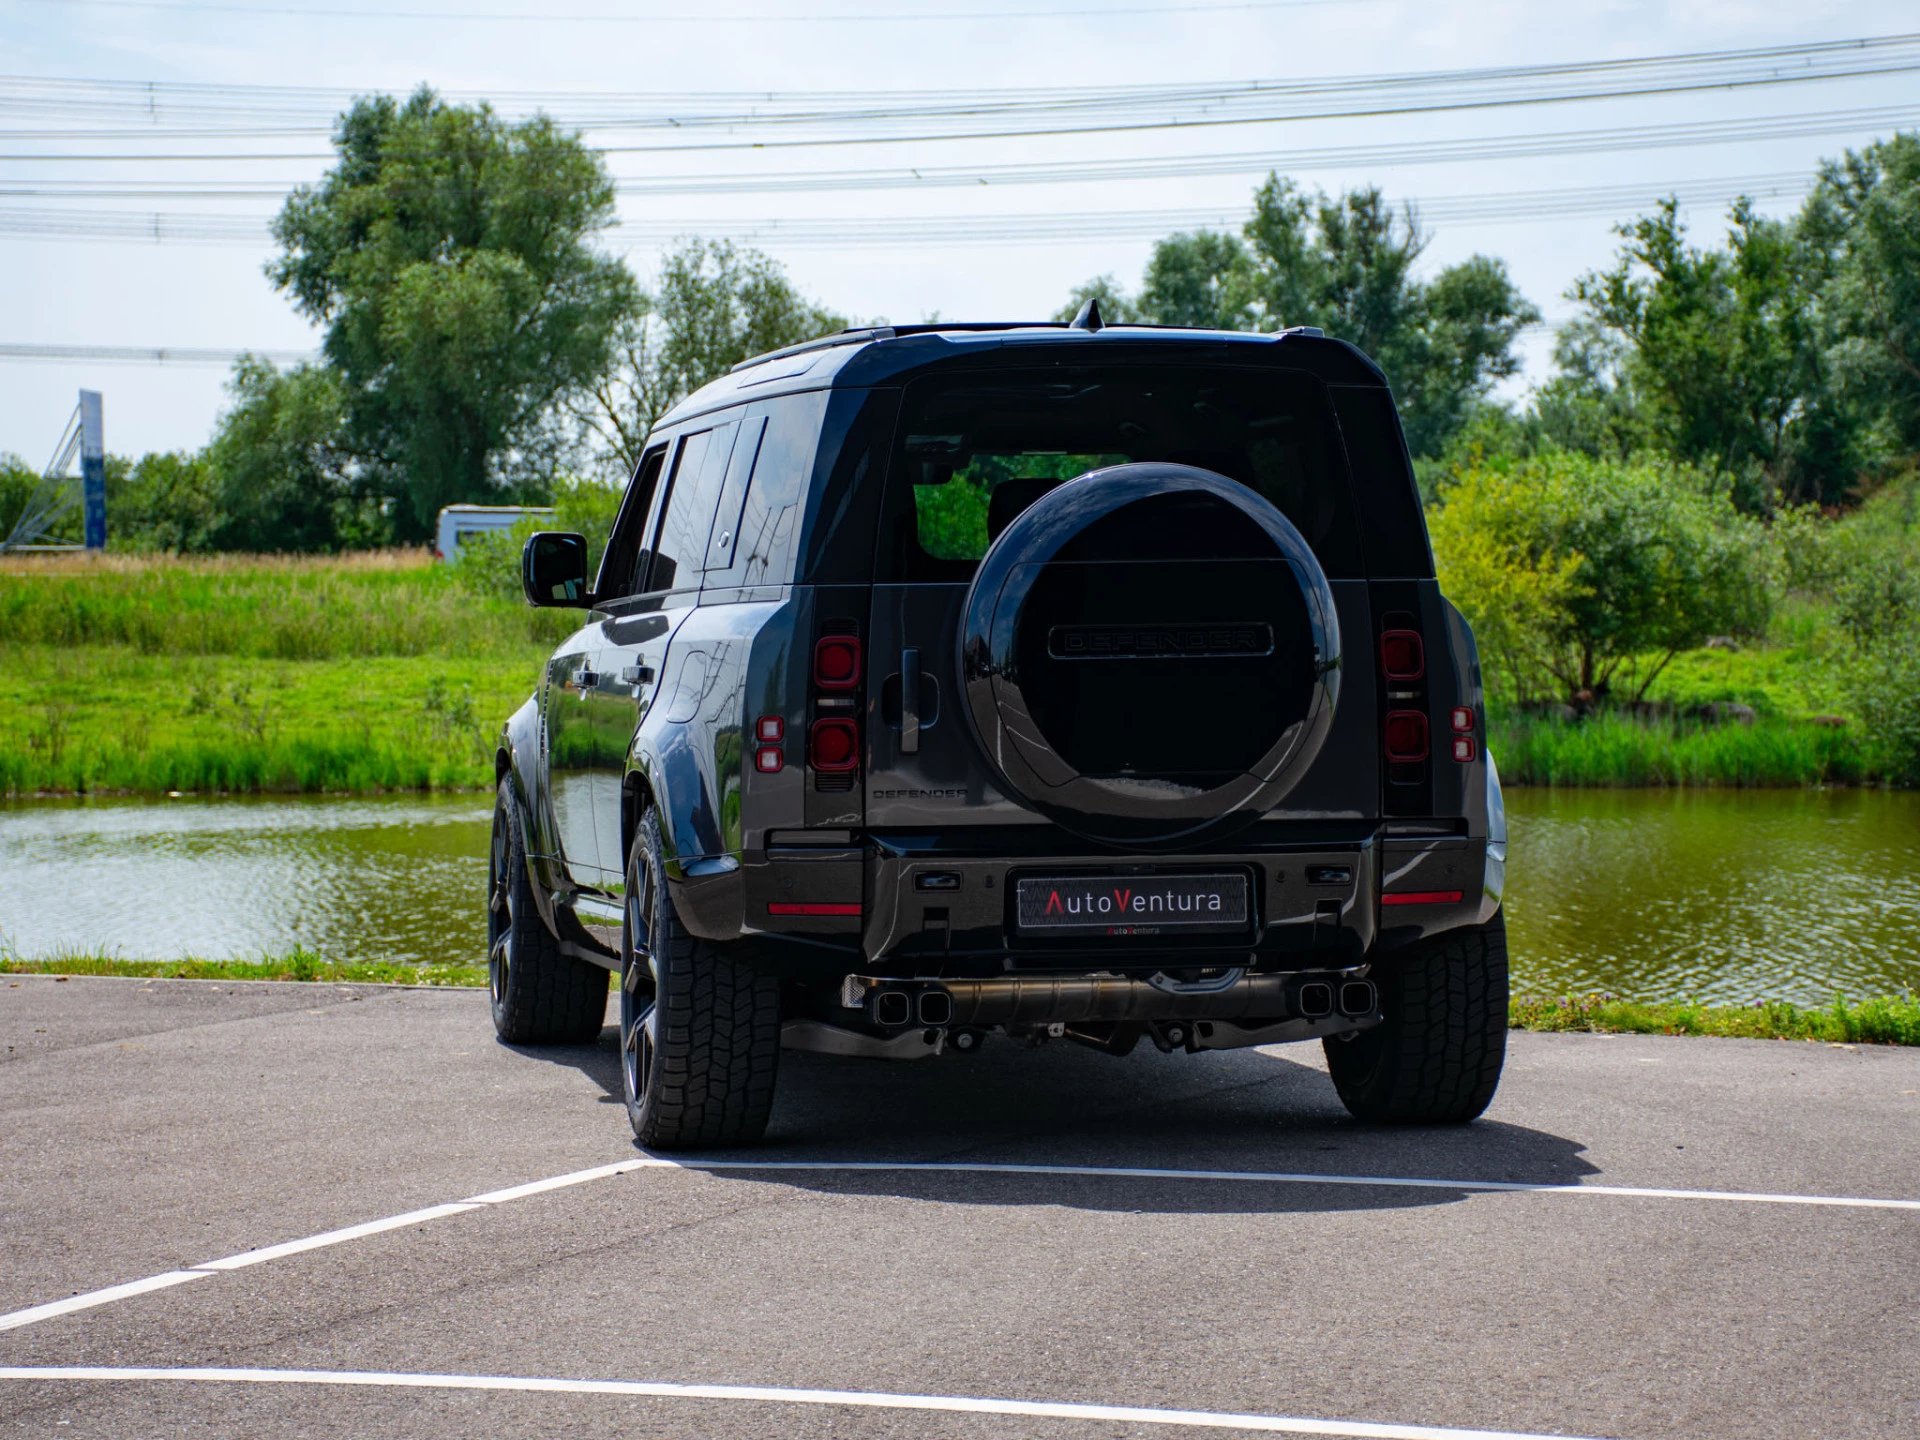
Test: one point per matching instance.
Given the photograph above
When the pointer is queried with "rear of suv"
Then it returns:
(1055, 682)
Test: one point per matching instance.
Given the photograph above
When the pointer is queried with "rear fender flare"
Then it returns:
(518, 759)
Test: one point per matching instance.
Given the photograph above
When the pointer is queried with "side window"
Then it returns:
(619, 565)
(733, 495)
(782, 474)
(680, 552)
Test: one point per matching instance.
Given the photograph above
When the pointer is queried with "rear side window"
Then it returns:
(774, 481)
(1396, 530)
(680, 554)
(976, 450)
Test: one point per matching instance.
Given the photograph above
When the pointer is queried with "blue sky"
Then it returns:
(135, 292)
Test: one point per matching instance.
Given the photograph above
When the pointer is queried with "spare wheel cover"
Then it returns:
(1150, 654)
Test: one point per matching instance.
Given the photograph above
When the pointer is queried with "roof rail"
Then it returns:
(853, 336)
(1088, 319)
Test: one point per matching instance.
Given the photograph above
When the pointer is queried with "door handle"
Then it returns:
(588, 680)
(637, 674)
(910, 701)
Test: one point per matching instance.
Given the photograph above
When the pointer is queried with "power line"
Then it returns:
(1609, 139)
(864, 17)
(844, 232)
(1113, 111)
(190, 355)
(148, 355)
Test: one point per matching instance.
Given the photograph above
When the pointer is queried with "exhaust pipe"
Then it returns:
(1315, 999)
(1359, 997)
(892, 1007)
(936, 1007)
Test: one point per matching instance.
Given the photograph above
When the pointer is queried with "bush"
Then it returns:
(490, 564)
(1578, 572)
(1883, 688)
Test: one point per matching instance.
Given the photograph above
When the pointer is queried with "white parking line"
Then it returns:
(779, 1395)
(245, 1258)
(336, 1237)
(37, 1313)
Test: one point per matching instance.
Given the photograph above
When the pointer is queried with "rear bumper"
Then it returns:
(938, 906)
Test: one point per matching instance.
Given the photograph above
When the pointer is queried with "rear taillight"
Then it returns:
(1465, 748)
(1403, 655)
(836, 662)
(833, 739)
(833, 745)
(1406, 737)
(769, 755)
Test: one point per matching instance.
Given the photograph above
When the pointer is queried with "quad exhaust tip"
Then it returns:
(1359, 997)
(1315, 999)
(893, 1007)
(936, 1007)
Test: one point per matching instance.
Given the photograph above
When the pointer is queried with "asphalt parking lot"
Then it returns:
(282, 1209)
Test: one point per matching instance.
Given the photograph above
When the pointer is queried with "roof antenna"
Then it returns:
(1089, 317)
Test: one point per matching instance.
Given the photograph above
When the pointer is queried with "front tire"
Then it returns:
(540, 995)
(699, 1025)
(1436, 1058)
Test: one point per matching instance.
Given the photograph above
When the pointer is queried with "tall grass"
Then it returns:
(285, 608)
(1881, 1020)
(126, 721)
(1613, 749)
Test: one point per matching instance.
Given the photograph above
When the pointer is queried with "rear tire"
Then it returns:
(540, 995)
(699, 1024)
(1436, 1058)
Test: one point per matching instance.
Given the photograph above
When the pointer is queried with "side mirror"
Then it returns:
(553, 570)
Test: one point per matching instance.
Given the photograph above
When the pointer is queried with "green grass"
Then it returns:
(377, 672)
(104, 719)
(263, 607)
(300, 965)
(1618, 750)
(256, 674)
(1885, 1020)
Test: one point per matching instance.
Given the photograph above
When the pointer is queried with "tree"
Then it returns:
(1719, 353)
(1200, 279)
(715, 304)
(1347, 265)
(1589, 571)
(1865, 215)
(447, 255)
(279, 474)
(165, 501)
(1116, 306)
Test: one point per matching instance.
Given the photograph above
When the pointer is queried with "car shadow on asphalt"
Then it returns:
(1063, 1105)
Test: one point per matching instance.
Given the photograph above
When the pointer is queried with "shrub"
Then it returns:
(490, 564)
(1883, 687)
(1584, 571)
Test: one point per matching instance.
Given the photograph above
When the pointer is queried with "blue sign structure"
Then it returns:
(93, 470)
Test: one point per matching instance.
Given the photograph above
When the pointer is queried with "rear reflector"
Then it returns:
(1403, 655)
(834, 744)
(812, 907)
(1406, 736)
(836, 663)
(1422, 897)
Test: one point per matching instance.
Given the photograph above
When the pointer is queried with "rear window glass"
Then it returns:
(974, 451)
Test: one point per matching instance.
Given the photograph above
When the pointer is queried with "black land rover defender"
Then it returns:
(1053, 680)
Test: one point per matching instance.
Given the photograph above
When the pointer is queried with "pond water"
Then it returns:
(1720, 895)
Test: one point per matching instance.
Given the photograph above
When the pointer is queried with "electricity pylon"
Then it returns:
(60, 491)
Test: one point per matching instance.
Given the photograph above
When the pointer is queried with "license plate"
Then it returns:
(1130, 905)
